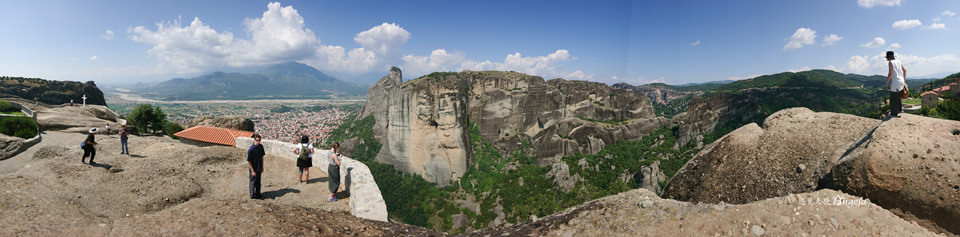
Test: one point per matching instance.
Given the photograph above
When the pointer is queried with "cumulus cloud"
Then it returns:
(873, 3)
(948, 13)
(831, 39)
(876, 43)
(108, 35)
(906, 24)
(93, 58)
(281, 35)
(803, 36)
(695, 43)
(937, 26)
(832, 68)
(916, 65)
(804, 68)
(893, 46)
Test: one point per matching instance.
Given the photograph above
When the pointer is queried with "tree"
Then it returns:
(147, 118)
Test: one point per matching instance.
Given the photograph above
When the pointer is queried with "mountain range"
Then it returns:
(290, 80)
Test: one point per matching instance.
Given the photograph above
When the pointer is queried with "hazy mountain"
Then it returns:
(281, 81)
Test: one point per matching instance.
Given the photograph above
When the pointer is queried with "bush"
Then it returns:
(170, 128)
(6, 106)
(23, 127)
(145, 118)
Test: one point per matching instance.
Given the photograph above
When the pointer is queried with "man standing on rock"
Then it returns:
(896, 82)
(123, 140)
(255, 162)
(88, 147)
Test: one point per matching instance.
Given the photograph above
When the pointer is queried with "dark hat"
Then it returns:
(890, 54)
(304, 139)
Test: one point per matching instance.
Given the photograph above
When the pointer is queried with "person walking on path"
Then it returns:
(89, 147)
(896, 83)
(255, 164)
(333, 171)
(304, 153)
(123, 140)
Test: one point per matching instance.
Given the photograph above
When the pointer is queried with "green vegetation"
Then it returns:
(673, 107)
(807, 79)
(511, 181)
(6, 106)
(22, 127)
(171, 128)
(147, 118)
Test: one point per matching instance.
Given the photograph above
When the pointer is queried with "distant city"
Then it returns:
(283, 121)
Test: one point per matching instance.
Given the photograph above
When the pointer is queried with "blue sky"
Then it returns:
(638, 42)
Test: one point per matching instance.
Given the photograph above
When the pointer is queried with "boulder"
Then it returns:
(753, 163)
(910, 165)
(229, 122)
(641, 213)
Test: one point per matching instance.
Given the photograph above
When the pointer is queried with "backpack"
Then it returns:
(304, 153)
(83, 144)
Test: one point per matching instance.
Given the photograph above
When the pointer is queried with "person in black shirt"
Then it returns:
(88, 147)
(255, 162)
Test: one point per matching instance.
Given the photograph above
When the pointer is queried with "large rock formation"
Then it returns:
(910, 165)
(641, 213)
(51, 92)
(907, 164)
(704, 114)
(423, 123)
(230, 122)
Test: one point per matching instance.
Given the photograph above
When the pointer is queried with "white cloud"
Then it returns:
(804, 68)
(831, 39)
(439, 61)
(948, 13)
(876, 43)
(832, 68)
(893, 46)
(108, 35)
(916, 65)
(803, 36)
(385, 39)
(93, 58)
(695, 43)
(636, 81)
(873, 3)
(737, 78)
(937, 26)
(906, 24)
(545, 66)
(578, 75)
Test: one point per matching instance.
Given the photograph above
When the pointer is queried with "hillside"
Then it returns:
(281, 81)
(50, 91)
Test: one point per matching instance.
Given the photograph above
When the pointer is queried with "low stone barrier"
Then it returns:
(365, 198)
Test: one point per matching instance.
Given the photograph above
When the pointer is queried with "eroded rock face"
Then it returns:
(641, 212)
(705, 114)
(52, 92)
(230, 122)
(753, 163)
(423, 124)
(910, 165)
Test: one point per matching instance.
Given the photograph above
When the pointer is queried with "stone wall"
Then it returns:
(15, 145)
(365, 198)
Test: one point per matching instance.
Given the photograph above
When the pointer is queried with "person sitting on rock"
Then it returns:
(88, 147)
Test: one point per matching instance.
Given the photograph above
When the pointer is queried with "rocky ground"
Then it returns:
(641, 213)
(165, 188)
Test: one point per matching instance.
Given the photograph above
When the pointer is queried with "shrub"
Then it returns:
(6, 106)
(18, 126)
(170, 128)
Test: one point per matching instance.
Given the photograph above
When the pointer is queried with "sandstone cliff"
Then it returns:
(705, 114)
(231, 122)
(907, 164)
(423, 123)
(51, 92)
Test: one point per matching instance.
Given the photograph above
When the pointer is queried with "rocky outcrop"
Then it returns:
(51, 92)
(705, 113)
(423, 124)
(794, 150)
(657, 93)
(641, 213)
(910, 165)
(230, 122)
(76, 118)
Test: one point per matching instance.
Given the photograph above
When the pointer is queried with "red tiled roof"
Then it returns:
(927, 93)
(213, 135)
